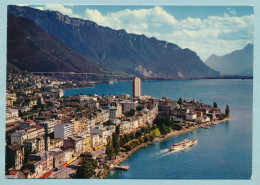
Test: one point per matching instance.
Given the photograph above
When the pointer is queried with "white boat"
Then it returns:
(183, 145)
(111, 82)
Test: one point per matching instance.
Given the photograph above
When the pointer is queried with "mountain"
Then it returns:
(116, 50)
(31, 48)
(239, 62)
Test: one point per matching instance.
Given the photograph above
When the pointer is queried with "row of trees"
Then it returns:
(165, 125)
(113, 146)
(162, 125)
(128, 141)
(227, 110)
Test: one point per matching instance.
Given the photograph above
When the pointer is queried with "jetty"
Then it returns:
(122, 167)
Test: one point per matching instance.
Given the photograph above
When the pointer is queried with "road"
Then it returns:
(70, 170)
(66, 172)
(99, 152)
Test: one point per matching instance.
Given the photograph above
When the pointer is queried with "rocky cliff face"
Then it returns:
(117, 50)
(239, 62)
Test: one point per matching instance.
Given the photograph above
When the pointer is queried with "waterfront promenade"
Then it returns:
(125, 155)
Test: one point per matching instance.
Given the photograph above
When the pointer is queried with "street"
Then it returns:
(66, 172)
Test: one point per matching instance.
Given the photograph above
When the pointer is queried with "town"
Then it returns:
(49, 135)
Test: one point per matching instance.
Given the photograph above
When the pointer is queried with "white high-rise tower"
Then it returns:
(136, 87)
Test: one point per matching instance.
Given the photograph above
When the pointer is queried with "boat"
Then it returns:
(111, 82)
(183, 145)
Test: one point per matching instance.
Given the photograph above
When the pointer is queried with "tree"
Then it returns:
(118, 130)
(122, 140)
(127, 137)
(227, 111)
(87, 170)
(131, 113)
(215, 105)
(138, 134)
(149, 106)
(116, 143)
(132, 136)
(152, 136)
(146, 137)
(179, 101)
(176, 127)
(164, 129)
(144, 130)
(110, 151)
(139, 108)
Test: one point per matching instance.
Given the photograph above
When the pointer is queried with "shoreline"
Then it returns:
(125, 155)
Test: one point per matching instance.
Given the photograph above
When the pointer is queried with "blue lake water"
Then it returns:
(223, 151)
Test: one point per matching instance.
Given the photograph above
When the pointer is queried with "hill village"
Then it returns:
(46, 132)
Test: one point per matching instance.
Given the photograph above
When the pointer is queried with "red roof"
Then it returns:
(14, 172)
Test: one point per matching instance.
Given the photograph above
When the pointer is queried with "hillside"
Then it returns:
(31, 48)
(116, 50)
(239, 62)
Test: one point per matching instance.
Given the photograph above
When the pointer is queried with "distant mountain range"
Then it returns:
(115, 50)
(31, 48)
(239, 62)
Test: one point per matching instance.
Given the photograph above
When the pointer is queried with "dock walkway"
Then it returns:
(122, 167)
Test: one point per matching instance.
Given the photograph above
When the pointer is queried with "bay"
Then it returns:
(223, 151)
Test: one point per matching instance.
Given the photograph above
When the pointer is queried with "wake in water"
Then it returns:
(166, 152)
(174, 152)
(160, 152)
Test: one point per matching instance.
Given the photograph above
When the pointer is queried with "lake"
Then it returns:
(223, 151)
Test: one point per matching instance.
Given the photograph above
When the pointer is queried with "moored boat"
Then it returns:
(183, 145)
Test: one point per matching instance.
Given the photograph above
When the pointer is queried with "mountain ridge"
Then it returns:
(238, 62)
(31, 48)
(116, 50)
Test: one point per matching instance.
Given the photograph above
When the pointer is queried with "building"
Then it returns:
(58, 159)
(126, 127)
(45, 157)
(61, 93)
(26, 124)
(27, 133)
(55, 143)
(68, 154)
(115, 110)
(12, 113)
(74, 142)
(76, 126)
(103, 132)
(35, 167)
(97, 141)
(87, 143)
(191, 116)
(34, 145)
(63, 131)
(48, 126)
(128, 105)
(14, 156)
(12, 116)
(136, 87)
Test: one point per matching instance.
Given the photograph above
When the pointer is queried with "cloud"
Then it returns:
(60, 8)
(232, 12)
(212, 35)
(39, 8)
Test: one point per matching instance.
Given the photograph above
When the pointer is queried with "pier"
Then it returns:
(122, 167)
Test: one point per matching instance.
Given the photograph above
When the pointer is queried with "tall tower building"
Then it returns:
(136, 87)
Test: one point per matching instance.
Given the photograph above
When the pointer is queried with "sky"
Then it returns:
(206, 30)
